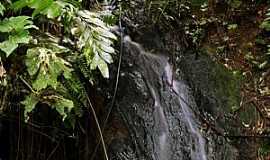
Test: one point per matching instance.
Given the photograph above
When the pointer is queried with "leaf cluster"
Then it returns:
(51, 60)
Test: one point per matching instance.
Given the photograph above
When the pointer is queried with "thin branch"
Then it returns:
(99, 129)
(27, 84)
(54, 150)
(19, 136)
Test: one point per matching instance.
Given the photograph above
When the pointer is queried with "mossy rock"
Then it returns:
(215, 88)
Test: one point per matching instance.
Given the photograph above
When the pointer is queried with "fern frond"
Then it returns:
(95, 41)
(84, 68)
(266, 22)
(75, 88)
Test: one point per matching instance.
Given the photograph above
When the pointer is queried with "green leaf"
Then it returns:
(32, 61)
(13, 42)
(20, 37)
(8, 47)
(232, 26)
(40, 6)
(20, 4)
(50, 8)
(105, 33)
(15, 23)
(42, 81)
(54, 10)
(103, 67)
(106, 57)
(96, 40)
(106, 48)
(265, 25)
(30, 102)
(2, 9)
(63, 106)
(45, 66)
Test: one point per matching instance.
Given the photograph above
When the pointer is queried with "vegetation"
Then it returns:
(59, 40)
(46, 45)
(54, 52)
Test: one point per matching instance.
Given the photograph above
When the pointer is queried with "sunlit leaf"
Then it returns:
(15, 23)
(30, 102)
(103, 67)
(13, 42)
(44, 63)
(63, 106)
(96, 40)
(8, 47)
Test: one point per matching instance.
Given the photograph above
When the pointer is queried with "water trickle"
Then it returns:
(198, 149)
(163, 139)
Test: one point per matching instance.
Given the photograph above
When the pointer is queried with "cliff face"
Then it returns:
(172, 115)
(215, 78)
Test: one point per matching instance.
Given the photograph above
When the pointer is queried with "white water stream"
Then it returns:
(198, 143)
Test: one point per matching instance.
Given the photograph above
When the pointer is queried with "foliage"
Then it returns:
(50, 8)
(94, 39)
(51, 59)
(46, 66)
(17, 30)
(266, 23)
(264, 150)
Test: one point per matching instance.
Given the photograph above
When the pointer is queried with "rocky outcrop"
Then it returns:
(150, 102)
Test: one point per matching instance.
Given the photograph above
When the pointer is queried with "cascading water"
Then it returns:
(171, 102)
(198, 149)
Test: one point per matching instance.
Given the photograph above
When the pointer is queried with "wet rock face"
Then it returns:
(216, 90)
(158, 125)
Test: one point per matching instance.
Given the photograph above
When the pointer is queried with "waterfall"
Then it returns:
(198, 149)
(154, 69)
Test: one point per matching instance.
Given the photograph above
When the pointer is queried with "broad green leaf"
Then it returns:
(13, 42)
(40, 6)
(265, 25)
(50, 8)
(54, 10)
(8, 47)
(32, 61)
(46, 66)
(20, 37)
(30, 102)
(235, 3)
(94, 62)
(21, 4)
(106, 48)
(42, 81)
(63, 106)
(15, 23)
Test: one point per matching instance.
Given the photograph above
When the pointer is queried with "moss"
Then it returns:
(216, 89)
(227, 85)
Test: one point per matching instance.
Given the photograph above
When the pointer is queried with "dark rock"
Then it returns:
(153, 112)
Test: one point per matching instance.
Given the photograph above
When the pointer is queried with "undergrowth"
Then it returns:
(54, 41)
